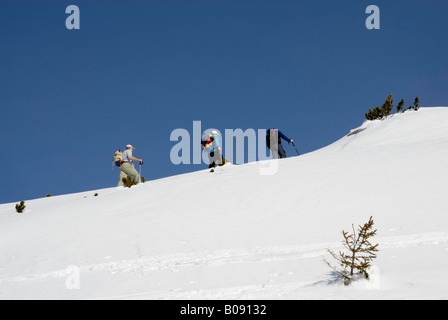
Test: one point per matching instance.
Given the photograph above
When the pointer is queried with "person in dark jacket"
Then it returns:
(274, 142)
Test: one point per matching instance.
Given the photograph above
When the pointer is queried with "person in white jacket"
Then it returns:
(127, 167)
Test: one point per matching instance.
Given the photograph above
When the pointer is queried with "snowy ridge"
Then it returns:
(264, 238)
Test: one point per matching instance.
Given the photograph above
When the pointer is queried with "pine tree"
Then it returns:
(374, 114)
(360, 253)
(416, 103)
(400, 106)
(387, 107)
(380, 113)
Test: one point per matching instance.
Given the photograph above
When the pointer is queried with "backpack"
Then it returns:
(118, 156)
(207, 141)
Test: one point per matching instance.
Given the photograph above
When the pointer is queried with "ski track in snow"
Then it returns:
(232, 293)
(175, 262)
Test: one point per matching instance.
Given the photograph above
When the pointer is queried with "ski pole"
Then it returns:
(140, 172)
(296, 148)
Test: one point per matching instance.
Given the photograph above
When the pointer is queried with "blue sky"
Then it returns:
(137, 70)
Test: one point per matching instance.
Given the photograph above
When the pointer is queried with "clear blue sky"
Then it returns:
(138, 69)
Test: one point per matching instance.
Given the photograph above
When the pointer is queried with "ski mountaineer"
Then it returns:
(127, 167)
(274, 142)
(211, 144)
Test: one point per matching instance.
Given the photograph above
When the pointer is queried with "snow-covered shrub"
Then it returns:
(360, 253)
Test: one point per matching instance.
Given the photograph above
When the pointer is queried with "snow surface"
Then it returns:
(237, 234)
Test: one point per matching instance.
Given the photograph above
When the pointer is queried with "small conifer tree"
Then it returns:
(20, 207)
(400, 106)
(380, 113)
(388, 106)
(416, 103)
(374, 114)
(360, 253)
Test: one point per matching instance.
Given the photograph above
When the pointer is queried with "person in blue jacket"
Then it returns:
(211, 144)
(274, 142)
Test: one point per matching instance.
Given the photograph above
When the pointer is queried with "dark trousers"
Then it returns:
(215, 158)
(279, 151)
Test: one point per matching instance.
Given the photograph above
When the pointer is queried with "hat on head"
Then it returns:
(129, 147)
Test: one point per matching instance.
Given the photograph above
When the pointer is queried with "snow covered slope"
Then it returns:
(237, 234)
